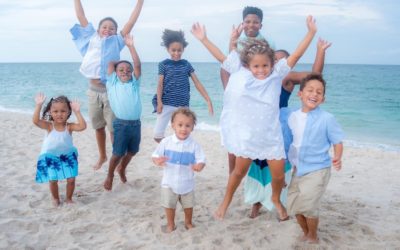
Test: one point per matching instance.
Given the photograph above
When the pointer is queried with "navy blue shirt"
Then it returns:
(176, 86)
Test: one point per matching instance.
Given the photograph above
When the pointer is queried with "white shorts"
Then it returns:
(162, 121)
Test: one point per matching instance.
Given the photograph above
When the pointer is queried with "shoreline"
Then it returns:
(359, 209)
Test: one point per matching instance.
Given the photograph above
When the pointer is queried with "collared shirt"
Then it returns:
(320, 132)
(97, 52)
(124, 98)
(178, 174)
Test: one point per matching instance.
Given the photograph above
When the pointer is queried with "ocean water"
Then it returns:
(364, 98)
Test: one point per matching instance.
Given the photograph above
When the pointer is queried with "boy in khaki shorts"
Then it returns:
(180, 156)
(314, 131)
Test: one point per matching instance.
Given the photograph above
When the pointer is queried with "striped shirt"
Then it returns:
(176, 87)
(178, 174)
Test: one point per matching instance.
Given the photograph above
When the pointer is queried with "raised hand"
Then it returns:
(199, 31)
(128, 39)
(236, 31)
(323, 44)
(311, 24)
(40, 98)
(75, 105)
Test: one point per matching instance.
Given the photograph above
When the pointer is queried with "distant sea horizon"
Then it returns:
(363, 97)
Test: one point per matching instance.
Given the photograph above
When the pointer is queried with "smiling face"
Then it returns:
(59, 112)
(175, 50)
(182, 125)
(124, 71)
(251, 25)
(107, 28)
(312, 95)
(260, 66)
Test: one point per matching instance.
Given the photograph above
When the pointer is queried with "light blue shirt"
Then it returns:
(110, 47)
(321, 131)
(124, 98)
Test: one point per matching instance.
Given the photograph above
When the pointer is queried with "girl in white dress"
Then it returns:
(250, 127)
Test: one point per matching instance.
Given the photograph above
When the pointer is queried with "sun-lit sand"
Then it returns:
(360, 210)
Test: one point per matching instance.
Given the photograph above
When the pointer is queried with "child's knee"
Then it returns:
(71, 180)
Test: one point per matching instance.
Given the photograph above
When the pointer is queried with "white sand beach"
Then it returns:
(360, 210)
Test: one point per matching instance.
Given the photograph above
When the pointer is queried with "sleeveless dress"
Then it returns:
(58, 158)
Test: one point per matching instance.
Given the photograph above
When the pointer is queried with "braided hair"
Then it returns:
(256, 47)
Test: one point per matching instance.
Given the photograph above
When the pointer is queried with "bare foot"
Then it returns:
(121, 173)
(168, 229)
(99, 163)
(302, 238)
(255, 210)
(108, 183)
(313, 240)
(56, 202)
(69, 201)
(282, 214)
(189, 226)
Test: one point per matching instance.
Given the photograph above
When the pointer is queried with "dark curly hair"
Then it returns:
(171, 36)
(60, 99)
(256, 47)
(248, 10)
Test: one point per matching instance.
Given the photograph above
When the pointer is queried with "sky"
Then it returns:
(361, 31)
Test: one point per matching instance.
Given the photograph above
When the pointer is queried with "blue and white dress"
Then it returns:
(58, 158)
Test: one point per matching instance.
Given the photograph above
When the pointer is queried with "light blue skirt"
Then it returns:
(257, 187)
(52, 167)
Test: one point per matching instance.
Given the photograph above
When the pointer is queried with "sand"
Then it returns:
(360, 210)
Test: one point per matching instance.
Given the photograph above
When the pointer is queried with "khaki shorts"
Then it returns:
(163, 120)
(169, 199)
(100, 112)
(305, 192)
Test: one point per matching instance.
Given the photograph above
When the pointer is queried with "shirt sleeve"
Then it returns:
(161, 68)
(335, 132)
(111, 79)
(232, 62)
(81, 36)
(159, 151)
(190, 68)
(281, 68)
(199, 154)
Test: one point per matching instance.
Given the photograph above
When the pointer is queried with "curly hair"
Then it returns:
(256, 47)
(60, 99)
(249, 10)
(171, 36)
(186, 112)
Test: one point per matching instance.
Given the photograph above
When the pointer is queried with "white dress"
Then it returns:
(249, 121)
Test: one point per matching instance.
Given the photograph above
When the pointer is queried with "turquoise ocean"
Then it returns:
(365, 99)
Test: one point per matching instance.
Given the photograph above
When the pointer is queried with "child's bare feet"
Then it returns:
(108, 183)
(99, 163)
(121, 172)
(282, 214)
(313, 240)
(69, 201)
(302, 238)
(255, 210)
(168, 229)
(56, 202)
(189, 226)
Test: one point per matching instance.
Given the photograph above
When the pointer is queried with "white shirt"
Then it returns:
(91, 62)
(178, 174)
(297, 123)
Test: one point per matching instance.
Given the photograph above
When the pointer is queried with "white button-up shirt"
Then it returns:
(178, 174)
